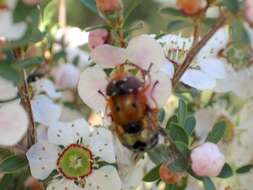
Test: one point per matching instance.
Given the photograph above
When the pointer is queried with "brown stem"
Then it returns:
(196, 49)
(62, 13)
(25, 95)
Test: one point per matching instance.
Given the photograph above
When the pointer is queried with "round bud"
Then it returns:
(168, 176)
(191, 7)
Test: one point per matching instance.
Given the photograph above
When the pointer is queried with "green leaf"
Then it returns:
(172, 12)
(182, 148)
(90, 4)
(162, 115)
(171, 187)
(231, 5)
(152, 175)
(217, 132)
(10, 73)
(13, 164)
(132, 6)
(208, 184)
(178, 133)
(22, 11)
(190, 124)
(30, 62)
(239, 33)
(182, 112)
(226, 171)
(172, 119)
(209, 22)
(159, 154)
(244, 169)
(179, 165)
(176, 25)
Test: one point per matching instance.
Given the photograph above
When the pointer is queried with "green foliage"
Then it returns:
(162, 115)
(132, 6)
(152, 175)
(29, 62)
(171, 187)
(231, 5)
(190, 124)
(182, 112)
(244, 169)
(13, 164)
(22, 11)
(90, 4)
(176, 25)
(226, 171)
(160, 154)
(217, 133)
(239, 33)
(208, 184)
(172, 12)
(10, 73)
(178, 133)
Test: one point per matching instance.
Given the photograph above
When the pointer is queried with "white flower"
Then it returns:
(7, 89)
(13, 123)
(143, 51)
(9, 29)
(66, 76)
(72, 38)
(45, 111)
(207, 160)
(46, 86)
(239, 82)
(207, 67)
(77, 163)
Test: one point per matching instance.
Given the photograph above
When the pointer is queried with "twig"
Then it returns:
(31, 134)
(196, 49)
(62, 13)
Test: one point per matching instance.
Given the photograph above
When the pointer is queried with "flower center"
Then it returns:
(75, 162)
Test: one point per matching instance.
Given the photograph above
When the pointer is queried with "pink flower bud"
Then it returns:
(109, 5)
(31, 2)
(207, 160)
(66, 76)
(249, 11)
(98, 37)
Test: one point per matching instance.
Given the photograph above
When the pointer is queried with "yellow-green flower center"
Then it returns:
(75, 162)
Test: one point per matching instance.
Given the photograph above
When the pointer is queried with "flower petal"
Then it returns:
(213, 67)
(63, 184)
(218, 42)
(7, 89)
(144, 50)
(67, 133)
(108, 56)
(45, 111)
(42, 158)
(104, 178)
(168, 68)
(160, 89)
(101, 144)
(47, 86)
(10, 30)
(13, 124)
(91, 81)
(198, 79)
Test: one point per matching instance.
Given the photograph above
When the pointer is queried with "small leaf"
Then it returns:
(10, 73)
(172, 119)
(13, 164)
(30, 62)
(182, 112)
(176, 25)
(239, 33)
(244, 169)
(162, 115)
(179, 165)
(152, 175)
(190, 124)
(182, 148)
(171, 187)
(226, 171)
(22, 11)
(159, 154)
(132, 6)
(231, 5)
(178, 133)
(208, 184)
(172, 11)
(217, 132)
(90, 4)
